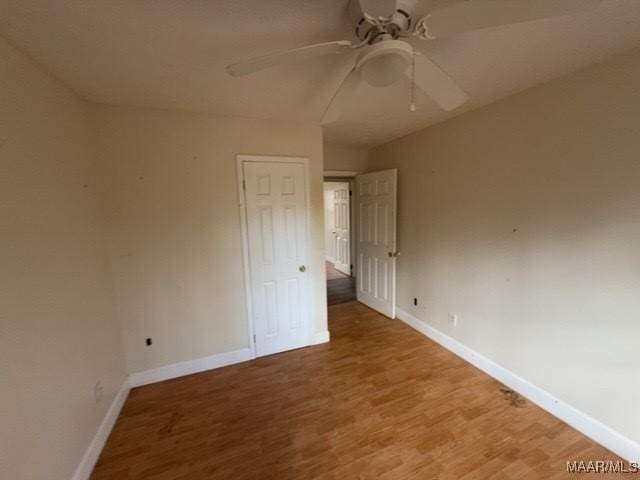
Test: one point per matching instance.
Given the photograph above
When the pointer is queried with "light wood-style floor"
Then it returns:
(341, 288)
(380, 401)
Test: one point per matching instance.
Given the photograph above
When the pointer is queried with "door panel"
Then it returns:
(341, 228)
(276, 213)
(376, 203)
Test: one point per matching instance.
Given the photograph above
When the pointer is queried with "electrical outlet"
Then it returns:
(98, 391)
(453, 319)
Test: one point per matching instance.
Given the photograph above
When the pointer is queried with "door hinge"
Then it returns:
(350, 193)
(254, 338)
(244, 184)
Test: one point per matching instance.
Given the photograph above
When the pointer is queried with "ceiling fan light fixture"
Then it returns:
(385, 62)
(382, 59)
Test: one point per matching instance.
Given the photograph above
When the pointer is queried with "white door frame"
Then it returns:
(240, 159)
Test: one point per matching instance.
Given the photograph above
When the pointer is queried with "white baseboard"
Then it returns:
(592, 428)
(321, 337)
(90, 457)
(188, 367)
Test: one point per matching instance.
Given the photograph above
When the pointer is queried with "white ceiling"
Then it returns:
(172, 53)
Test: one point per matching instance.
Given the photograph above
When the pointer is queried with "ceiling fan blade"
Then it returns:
(278, 58)
(378, 8)
(430, 78)
(478, 14)
(341, 97)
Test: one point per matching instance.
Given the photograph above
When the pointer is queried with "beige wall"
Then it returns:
(523, 218)
(175, 237)
(341, 157)
(104, 206)
(58, 328)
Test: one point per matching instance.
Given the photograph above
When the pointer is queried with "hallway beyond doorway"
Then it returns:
(341, 288)
(333, 273)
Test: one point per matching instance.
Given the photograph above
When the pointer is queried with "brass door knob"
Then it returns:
(302, 268)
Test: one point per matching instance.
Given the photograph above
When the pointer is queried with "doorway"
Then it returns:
(339, 241)
(361, 232)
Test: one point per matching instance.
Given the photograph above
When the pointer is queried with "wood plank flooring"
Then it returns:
(332, 272)
(341, 290)
(380, 401)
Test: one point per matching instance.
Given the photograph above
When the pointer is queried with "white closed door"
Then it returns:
(341, 229)
(376, 233)
(276, 215)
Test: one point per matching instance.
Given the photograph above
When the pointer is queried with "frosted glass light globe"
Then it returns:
(384, 70)
(385, 62)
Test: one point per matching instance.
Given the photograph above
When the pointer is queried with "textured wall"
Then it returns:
(523, 219)
(58, 327)
(341, 157)
(175, 231)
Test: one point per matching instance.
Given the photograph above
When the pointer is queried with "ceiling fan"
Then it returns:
(381, 57)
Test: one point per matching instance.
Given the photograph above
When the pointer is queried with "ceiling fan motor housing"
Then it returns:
(384, 63)
(400, 21)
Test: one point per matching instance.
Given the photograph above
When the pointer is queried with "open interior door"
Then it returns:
(376, 233)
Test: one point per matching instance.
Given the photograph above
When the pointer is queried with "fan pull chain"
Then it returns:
(412, 106)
